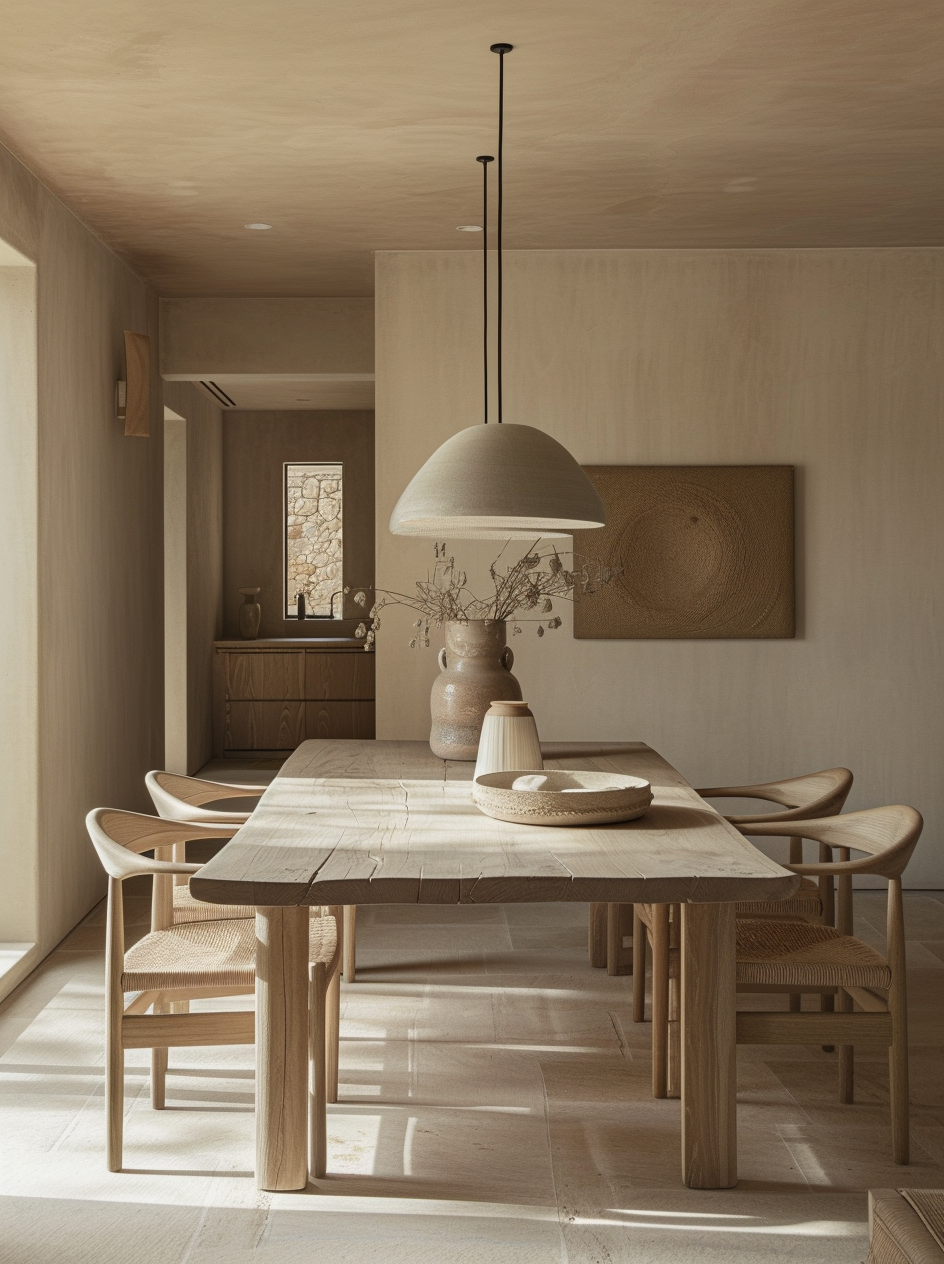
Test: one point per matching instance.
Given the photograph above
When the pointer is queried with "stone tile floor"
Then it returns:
(495, 1107)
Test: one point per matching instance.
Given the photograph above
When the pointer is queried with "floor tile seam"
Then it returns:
(192, 1241)
(799, 1106)
(551, 1166)
(794, 1159)
(922, 1155)
(95, 1095)
(621, 1038)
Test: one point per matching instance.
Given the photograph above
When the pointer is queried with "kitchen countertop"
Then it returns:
(295, 643)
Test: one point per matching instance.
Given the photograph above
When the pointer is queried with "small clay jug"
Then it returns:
(250, 613)
(475, 669)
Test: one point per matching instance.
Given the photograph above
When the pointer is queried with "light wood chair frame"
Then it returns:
(805, 797)
(180, 798)
(888, 837)
(119, 838)
(657, 926)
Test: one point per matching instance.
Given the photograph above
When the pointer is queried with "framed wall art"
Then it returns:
(707, 552)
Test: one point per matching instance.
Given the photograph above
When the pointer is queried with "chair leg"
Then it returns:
(660, 998)
(618, 926)
(827, 889)
(349, 941)
(846, 1054)
(114, 1088)
(826, 1006)
(898, 1008)
(596, 934)
(332, 1034)
(317, 1073)
(640, 945)
(159, 1064)
(673, 1077)
(900, 1109)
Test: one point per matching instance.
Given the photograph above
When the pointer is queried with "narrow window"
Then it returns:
(314, 545)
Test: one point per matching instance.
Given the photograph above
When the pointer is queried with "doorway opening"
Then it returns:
(176, 753)
(19, 637)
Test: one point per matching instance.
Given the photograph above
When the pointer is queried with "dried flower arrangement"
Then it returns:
(526, 585)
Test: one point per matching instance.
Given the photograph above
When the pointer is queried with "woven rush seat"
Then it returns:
(929, 1204)
(803, 955)
(906, 1226)
(210, 954)
(805, 902)
(187, 908)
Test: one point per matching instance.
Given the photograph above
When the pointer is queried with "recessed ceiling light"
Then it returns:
(469, 228)
(260, 226)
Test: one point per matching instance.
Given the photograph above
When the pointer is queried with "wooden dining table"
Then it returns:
(388, 822)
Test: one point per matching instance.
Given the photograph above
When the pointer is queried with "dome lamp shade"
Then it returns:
(498, 483)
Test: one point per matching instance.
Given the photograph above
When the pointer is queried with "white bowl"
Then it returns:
(561, 797)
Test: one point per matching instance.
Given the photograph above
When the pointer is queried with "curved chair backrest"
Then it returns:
(179, 798)
(887, 835)
(119, 837)
(805, 798)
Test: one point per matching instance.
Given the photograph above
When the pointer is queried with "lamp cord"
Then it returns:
(501, 50)
(485, 159)
(501, 183)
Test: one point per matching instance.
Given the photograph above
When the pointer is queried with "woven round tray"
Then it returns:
(564, 798)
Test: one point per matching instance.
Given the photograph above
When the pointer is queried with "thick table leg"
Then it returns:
(709, 1120)
(596, 934)
(281, 1047)
(619, 924)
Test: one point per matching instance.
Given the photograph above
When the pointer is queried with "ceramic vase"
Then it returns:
(509, 740)
(250, 614)
(475, 670)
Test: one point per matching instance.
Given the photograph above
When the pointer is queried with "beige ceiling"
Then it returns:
(352, 127)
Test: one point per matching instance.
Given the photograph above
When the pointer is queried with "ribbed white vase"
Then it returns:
(509, 740)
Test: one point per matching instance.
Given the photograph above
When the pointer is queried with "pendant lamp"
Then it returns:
(498, 481)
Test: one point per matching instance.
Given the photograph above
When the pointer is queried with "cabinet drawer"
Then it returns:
(264, 676)
(339, 719)
(264, 725)
(345, 675)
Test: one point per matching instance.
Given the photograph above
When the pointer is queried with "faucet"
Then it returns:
(339, 593)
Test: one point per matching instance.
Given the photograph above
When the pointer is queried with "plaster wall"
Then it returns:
(90, 642)
(203, 553)
(829, 360)
(212, 337)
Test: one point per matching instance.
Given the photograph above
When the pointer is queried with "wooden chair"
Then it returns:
(781, 956)
(175, 964)
(180, 798)
(813, 795)
(809, 797)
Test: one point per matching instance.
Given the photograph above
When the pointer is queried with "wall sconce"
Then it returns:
(134, 393)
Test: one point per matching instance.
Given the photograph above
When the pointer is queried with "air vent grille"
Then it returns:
(218, 394)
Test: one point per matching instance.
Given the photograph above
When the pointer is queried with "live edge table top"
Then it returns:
(387, 822)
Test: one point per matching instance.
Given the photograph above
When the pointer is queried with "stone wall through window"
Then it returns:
(314, 545)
